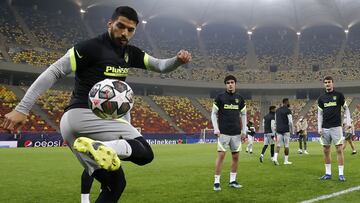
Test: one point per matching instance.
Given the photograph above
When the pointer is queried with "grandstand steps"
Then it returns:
(251, 56)
(153, 46)
(296, 50)
(204, 53)
(353, 104)
(33, 40)
(306, 108)
(264, 109)
(36, 108)
(339, 56)
(199, 107)
(89, 30)
(3, 50)
(161, 112)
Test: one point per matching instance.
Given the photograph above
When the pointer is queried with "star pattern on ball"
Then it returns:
(97, 101)
(119, 99)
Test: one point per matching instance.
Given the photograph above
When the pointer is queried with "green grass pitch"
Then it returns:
(179, 173)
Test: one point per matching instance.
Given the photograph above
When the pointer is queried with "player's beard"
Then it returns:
(119, 41)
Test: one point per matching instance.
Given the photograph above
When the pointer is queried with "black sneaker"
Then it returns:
(235, 184)
(217, 187)
(261, 158)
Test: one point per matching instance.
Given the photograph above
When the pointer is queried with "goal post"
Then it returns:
(206, 135)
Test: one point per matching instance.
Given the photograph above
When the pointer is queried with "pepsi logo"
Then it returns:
(28, 143)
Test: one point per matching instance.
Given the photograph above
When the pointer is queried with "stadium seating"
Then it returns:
(53, 29)
(53, 103)
(8, 101)
(33, 57)
(183, 113)
(10, 28)
(144, 117)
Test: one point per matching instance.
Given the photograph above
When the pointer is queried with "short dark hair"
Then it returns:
(272, 108)
(229, 77)
(328, 78)
(127, 12)
(285, 100)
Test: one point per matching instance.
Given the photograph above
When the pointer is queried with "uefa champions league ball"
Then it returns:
(111, 99)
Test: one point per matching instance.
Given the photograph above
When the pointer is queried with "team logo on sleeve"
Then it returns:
(126, 57)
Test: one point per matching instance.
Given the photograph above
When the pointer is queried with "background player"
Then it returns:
(250, 135)
(284, 126)
(269, 133)
(349, 133)
(225, 116)
(301, 130)
(329, 126)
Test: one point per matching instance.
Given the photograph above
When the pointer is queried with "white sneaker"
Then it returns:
(276, 163)
(305, 152)
(300, 151)
(287, 163)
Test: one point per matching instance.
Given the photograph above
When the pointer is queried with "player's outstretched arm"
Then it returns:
(17, 118)
(14, 121)
(167, 65)
(184, 56)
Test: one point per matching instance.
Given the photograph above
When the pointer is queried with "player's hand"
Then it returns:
(183, 56)
(320, 132)
(14, 121)
(217, 134)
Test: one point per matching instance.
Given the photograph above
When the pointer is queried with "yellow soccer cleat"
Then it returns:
(104, 156)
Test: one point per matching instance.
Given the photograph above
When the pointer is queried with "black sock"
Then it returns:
(86, 182)
(264, 149)
(272, 150)
(141, 151)
(112, 185)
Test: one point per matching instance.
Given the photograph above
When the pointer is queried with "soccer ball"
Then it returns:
(111, 99)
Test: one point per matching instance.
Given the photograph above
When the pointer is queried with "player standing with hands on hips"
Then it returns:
(229, 107)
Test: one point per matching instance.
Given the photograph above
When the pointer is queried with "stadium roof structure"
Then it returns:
(250, 14)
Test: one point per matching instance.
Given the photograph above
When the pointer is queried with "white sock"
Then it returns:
(232, 177)
(328, 169)
(85, 198)
(341, 170)
(275, 156)
(121, 147)
(217, 179)
(286, 158)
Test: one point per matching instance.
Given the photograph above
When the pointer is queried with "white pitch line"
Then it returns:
(332, 195)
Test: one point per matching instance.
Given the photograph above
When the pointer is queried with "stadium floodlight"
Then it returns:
(346, 31)
(198, 28)
(250, 32)
(143, 21)
(82, 11)
(298, 33)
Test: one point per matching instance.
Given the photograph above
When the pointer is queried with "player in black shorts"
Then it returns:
(106, 56)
